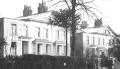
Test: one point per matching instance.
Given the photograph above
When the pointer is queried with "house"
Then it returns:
(93, 41)
(31, 34)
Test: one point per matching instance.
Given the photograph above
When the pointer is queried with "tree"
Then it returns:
(3, 44)
(63, 18)
(75, 6)
(115, 51)
(84, 24)
(98, 22)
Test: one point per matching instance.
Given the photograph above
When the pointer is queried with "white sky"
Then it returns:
(109, 8)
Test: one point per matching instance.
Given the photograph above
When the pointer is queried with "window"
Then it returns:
(98, 41)
(59, 49)
(37, 32)
(103, 42)
(14, 29)
(58, 34)
(93, 38)
(13, 45)
(64, 35)
(48, 49)
(65, 50)
(25, 30)
(87, 40)
(39, 48)
(45, 33)
(110, 42)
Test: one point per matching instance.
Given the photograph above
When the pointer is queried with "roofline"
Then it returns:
(112, 30)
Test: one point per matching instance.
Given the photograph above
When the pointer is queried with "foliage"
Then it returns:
(76, 6)
(63, 18)
(84, 24)
(2, 43)
(43, 62)
(98, 22)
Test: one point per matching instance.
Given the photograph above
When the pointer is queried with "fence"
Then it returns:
(42, 62)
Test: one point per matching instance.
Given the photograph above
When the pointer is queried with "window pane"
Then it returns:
(59, 50)
(87, 40)
(39, 48)
(48, 49)
(14, 29)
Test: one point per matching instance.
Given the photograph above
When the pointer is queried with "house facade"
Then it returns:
(33, 35)
(93, 41)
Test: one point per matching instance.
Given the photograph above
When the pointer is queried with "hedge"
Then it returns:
(42, 62)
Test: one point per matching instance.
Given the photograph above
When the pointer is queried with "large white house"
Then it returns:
(94, 41)
(33, 35)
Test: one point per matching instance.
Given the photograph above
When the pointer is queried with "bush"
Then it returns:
(43, 62)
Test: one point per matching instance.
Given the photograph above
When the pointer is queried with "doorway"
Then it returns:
(24, 47)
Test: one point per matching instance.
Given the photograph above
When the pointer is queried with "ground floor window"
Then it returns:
(59, 49)
(65, 51)
(13, 48)
(39, 49)
(48, 49)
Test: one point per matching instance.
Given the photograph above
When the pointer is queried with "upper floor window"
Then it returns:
(103, 41)
(93, 40)
(14, 29)
(37, 32)
(45, 33)
(58, 34)
(88, 40)
(25, 30)
(110, 42)
(64, 35)
(98, 41)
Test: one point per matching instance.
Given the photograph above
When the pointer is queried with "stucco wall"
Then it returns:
(31, 35)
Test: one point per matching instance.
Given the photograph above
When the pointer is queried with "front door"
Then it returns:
(24, 47)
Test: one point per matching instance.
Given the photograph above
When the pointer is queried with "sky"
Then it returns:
(109, 8)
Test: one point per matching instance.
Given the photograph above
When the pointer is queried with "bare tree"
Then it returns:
(75, 6)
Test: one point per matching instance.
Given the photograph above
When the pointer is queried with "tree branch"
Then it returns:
(67, 4)
(56, 3)
(89, 1)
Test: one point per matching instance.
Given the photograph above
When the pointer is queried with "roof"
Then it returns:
(42, 17)
(100, 30)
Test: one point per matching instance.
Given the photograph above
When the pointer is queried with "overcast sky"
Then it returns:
(109, 8)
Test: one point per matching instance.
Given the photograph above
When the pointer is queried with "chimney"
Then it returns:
(98, 23)
(42, 7)
(27, 11)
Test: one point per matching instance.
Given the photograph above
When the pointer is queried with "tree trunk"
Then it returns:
(73, 28)
(66, 41)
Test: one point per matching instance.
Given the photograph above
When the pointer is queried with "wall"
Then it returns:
(31, 35)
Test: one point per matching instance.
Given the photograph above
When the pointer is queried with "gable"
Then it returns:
(105, 31)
